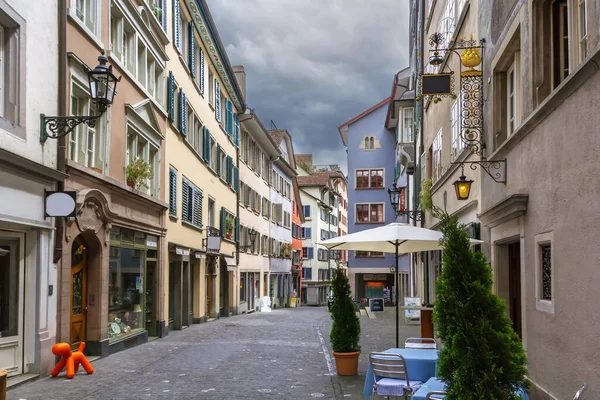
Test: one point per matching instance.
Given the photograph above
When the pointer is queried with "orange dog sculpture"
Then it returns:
(70, 359)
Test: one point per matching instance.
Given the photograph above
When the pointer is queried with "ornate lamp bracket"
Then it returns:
(57, 127)
(495, 169)
(415, 215)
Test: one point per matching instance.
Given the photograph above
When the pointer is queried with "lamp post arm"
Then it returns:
(57, 127)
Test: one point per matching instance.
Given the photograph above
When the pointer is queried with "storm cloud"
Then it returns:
(311, 65)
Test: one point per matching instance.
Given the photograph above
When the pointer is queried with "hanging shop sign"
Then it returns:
(59, 204)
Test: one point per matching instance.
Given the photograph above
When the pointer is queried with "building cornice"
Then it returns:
(509, 208)
(201, 17)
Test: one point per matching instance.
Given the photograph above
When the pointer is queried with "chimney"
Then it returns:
(240, 76)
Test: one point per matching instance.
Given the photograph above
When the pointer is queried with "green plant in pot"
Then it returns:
(228, 227)
(345, 330)
(157, 11)
(137, 173)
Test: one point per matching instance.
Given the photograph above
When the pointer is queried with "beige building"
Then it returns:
(111, 272)
(256, 152)
(439, 142)
(203, 103)
(541, 59)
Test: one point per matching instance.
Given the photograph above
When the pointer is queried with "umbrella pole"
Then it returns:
(397, 299)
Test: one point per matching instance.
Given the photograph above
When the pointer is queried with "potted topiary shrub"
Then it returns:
(228, 227)
(137, 173)
(345, 330)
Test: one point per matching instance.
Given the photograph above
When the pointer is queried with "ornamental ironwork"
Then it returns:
(57, 127)
(546, 272)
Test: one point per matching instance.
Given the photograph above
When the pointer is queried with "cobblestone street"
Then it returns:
(276, 355)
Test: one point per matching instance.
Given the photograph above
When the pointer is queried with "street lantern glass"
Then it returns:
(394, 197)
(102, 84)
(252, 236)
(462, 187)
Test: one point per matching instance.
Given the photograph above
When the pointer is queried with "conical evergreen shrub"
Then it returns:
(483, 357)
(345, 330)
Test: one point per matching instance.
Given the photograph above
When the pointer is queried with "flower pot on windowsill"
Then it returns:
(228, 236)
(131, 184)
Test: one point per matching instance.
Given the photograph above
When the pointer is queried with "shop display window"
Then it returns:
(126, 300)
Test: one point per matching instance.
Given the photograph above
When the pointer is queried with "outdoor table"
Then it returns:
(435, 385)
(420, 364)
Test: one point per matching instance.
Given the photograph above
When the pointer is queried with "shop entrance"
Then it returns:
(11, 302)
(78, 292)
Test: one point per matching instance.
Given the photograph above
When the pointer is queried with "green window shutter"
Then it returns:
(172, 192)
(164, 14)
(237, 229)
(236, 130)
(217, 101)
(200, 208)
(182, 113)
(192, 49)
(185, 201)
(229, 117)
(202, 71)
(171, 99)
(229, 178)
(236, 179)
(223, 222)
(219, 160)
(176, 30)
(206, 152)
(197, 213)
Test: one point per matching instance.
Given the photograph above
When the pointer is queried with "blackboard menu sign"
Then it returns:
(376, 304)
(436, 84)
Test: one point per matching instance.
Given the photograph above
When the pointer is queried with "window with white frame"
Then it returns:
(141, 147)
(437, 156)
(286, 219)
(87, 145)
(213, 154)
(12, 89)
(369, 213)
(369, 178)
(158, 8)
(582, 28)
(195, 134)
(87, 12)
(223, 165)
(511, 99)
(408, 124)
(211, 88)
(544, 272)
(128, 46)
(455, 129)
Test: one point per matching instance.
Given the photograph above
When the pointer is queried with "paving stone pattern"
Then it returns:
(274, 355)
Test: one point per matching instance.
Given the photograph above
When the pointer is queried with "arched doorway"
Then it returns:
(78, 309)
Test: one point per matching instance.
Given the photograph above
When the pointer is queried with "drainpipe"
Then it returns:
(60, 154)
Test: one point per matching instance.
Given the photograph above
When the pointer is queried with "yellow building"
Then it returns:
(202, 140)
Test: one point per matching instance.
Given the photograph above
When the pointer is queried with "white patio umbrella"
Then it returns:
(396, 238)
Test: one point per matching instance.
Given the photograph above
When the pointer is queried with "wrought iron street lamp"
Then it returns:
(246, 247)
(397, 199)
(462, 186)
(470, 53)
(102, 86)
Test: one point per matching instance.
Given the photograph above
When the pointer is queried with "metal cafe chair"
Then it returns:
(435, 395)
(420, 343)
(391, 371)
(580, 392)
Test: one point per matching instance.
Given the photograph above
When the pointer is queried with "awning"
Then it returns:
(230, 263)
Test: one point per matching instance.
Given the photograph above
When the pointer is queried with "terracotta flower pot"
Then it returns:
(131, 184)
(346, 363)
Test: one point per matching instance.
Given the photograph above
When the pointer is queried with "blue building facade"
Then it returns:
(371, 152)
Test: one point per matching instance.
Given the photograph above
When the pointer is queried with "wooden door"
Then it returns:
(78, 291)
(514, 279)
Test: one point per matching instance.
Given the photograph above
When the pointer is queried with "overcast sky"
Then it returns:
(311, 65)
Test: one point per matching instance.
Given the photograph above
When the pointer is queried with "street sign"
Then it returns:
(376, 304)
